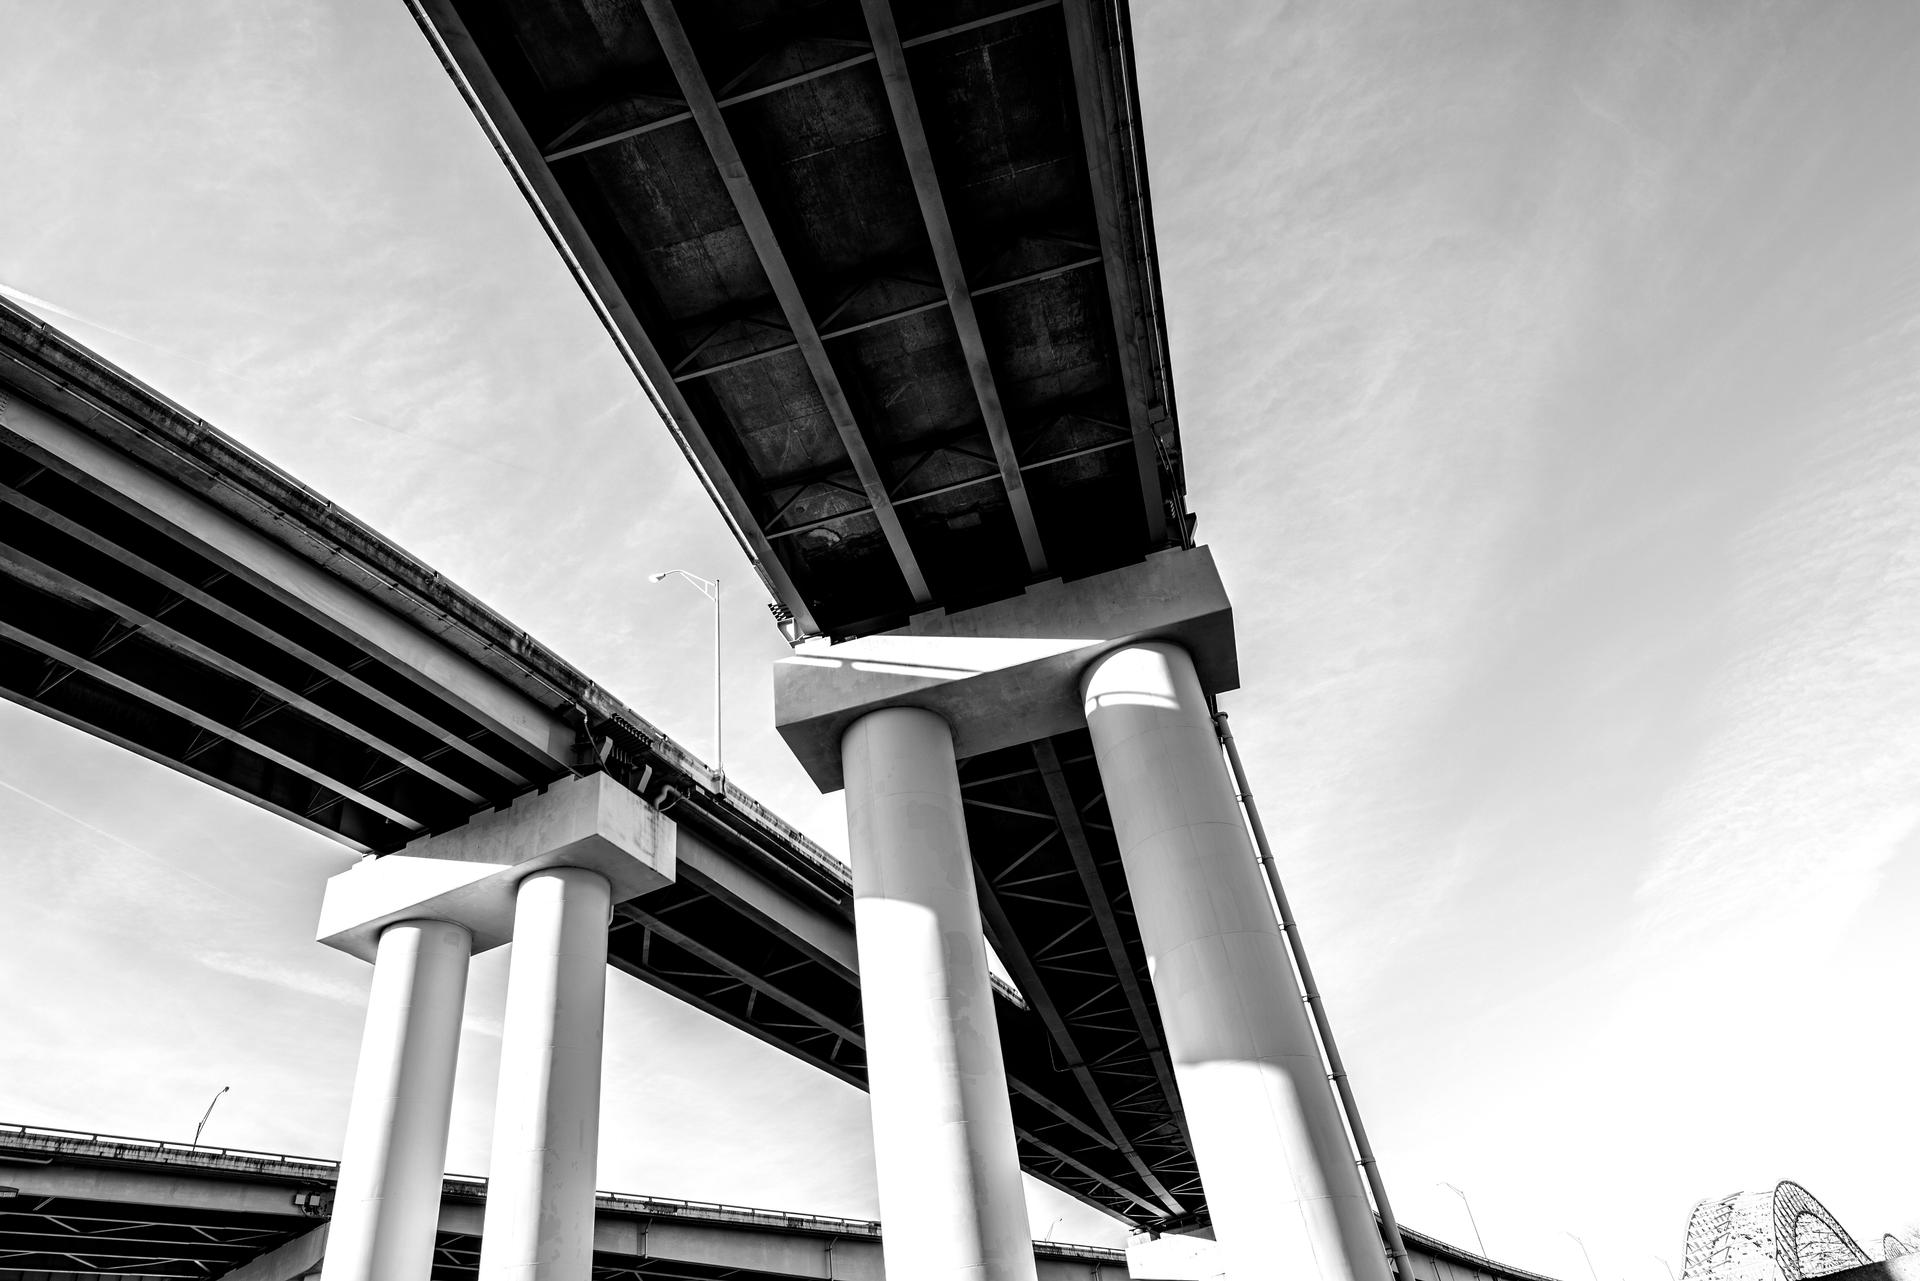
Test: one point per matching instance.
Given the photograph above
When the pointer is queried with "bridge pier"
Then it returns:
(387, 1203)
(1286, 1197)
(944, 1153)
(546, 1122)
(1127, 657)
(543, 873)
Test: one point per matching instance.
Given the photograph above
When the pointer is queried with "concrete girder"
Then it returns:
(953, 276)
(272, 567)
(197, 594)
(440, 22)
(773, 262)
(1105, 163)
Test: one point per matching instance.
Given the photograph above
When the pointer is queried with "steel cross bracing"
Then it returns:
(1093, 1106)
(888, 272)
(64, 1235)
(1056, 908)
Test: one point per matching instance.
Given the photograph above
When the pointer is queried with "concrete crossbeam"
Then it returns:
(1007, 672)
(469, 875)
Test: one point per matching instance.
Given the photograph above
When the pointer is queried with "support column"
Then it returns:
(1286, 1198)
(951, 1202)
(387, 1203)
(546, 1126)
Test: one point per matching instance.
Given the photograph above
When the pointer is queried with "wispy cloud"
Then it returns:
(285, 977)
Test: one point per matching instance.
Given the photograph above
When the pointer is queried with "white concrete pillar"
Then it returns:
(387, 1202)
(546, 1123)
(1286, 1197)
(949, 1175)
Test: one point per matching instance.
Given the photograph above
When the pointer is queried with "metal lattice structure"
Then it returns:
(1781, 1234)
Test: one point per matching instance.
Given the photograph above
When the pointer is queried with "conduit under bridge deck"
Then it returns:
(165, 589)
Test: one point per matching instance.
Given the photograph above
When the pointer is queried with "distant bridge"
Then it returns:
(83, 1206)
(79, 1207)
(1780, 1234)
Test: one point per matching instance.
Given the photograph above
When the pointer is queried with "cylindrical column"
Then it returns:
(1286, 1198)
(386, 1205)
(546, 1122)
(951, 1204)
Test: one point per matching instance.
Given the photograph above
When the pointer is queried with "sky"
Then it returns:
(1549, 378)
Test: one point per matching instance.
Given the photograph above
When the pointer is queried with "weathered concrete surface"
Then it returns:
(1007, 672)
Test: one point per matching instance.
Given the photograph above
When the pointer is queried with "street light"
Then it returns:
(1470, 1219)
(209, 1112)
(710, 588)
(1583, 1253)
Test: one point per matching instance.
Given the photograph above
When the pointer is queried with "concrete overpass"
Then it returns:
(165, 589)
(890, 279)
(77, 1206)
(888, 272)
(87, 1206)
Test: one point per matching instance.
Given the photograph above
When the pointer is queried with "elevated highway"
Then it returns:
(76, 1205)
(83, 1205)
(165, 589)
(888, 274)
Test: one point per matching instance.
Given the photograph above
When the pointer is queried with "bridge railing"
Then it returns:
(466, 1187)
(46, 1138)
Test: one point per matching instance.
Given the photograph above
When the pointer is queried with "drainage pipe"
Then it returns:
(1336, 1070)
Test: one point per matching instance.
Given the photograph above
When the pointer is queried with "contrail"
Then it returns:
(121, 840)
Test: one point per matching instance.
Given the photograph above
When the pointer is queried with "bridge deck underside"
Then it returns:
(70, 1235)
(894, 286)
(107, 623)
(132, 627)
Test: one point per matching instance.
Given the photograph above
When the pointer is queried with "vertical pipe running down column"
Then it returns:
(538, 1224)
(943, 1144)
(1310, 991)
(386, 1205)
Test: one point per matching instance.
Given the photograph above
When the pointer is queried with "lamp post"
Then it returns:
(1470, 1219)
(1591, 1271)
(209, 1112)
(710, 588)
